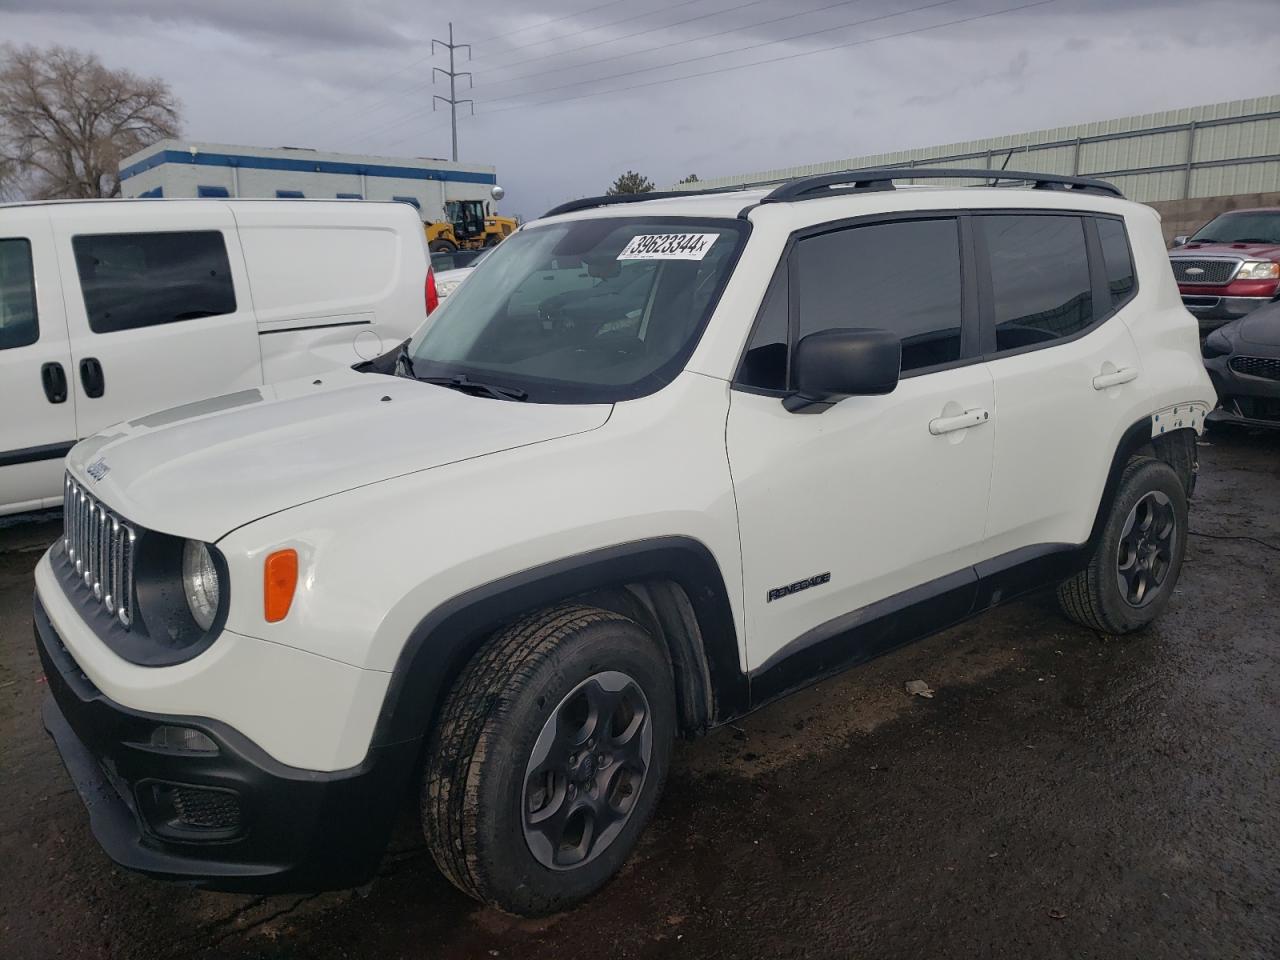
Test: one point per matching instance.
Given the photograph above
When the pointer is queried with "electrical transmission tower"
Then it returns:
(453, 75)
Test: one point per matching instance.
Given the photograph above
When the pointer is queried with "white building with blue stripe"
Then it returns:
(175, 168)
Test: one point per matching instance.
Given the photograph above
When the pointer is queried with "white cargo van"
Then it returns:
(112, 309)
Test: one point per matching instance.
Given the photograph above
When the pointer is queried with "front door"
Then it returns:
(37, 399)
(159, 314)
(877, 503)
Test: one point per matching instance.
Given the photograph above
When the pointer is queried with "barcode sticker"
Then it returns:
(669, 246)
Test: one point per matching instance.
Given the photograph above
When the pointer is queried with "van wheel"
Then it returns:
(442, 246)
(548, 759)
(1134, 568)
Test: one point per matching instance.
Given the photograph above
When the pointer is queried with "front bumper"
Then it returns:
(1243, 399)
(278, 828)
(1213, 310)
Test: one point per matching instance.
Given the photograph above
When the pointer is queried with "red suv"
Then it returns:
(1229, 266)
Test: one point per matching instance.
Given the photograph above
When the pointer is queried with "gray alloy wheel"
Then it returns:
(1144, 556)
(586, 770)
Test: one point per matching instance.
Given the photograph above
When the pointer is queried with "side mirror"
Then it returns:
(832, 364)
(1180, 240)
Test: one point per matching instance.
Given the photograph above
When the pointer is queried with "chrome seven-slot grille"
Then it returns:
(1197, 270)
(1266, 367)
(100, 547)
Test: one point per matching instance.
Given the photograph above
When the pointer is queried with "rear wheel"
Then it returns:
(548, 759)
(1134, 568)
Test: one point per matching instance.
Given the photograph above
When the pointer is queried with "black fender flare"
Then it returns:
(446, 638)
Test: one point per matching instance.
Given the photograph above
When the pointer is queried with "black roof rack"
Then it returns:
(588, 203)
(859, 181)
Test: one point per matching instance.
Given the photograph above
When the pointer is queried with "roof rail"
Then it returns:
(860, 181)
(588, 203)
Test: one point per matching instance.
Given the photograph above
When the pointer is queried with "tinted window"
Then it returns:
(289, 194)
(903, 277)
(765, 362)
(1117, 260)
(141, 279)
(18, 326)
(212, 192)
(1039, 278)
(1254, 226)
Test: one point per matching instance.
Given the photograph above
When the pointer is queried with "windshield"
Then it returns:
(589, 311)
(1257, 227)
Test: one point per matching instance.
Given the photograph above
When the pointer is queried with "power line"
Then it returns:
(367, 110)
(936, 3)
(453, 74)
(547, 23)
(678, 43)
(784, 57)
(735, 50)
(599, 26)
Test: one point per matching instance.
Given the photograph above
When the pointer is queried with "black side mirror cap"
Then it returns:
(832, 364)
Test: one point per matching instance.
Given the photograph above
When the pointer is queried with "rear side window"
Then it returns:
(18, 323)
(1039, 278)
(1117, 260)
(143, 279)
(902, 276)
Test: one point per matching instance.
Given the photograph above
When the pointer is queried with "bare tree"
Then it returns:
(66, 122)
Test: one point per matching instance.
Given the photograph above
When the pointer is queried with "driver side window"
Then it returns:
(903, 276)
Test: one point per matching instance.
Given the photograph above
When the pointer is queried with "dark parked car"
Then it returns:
(1230, 266)
(1243, 360)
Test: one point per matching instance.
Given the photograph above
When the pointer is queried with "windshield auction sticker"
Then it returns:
(669, 246)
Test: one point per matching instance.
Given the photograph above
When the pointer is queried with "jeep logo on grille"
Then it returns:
(98, 469)
(1194, 271)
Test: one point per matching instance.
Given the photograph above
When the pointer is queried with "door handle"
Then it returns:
(1104, 380)
(962, 421)
(54, 380)
(91, 377)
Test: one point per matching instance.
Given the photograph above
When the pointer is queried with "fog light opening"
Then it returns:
(182, 739)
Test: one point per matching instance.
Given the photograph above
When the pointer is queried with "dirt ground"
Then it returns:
(1062, 795)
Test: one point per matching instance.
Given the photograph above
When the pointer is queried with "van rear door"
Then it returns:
(333, 283)
(158, 308)
(37, 404)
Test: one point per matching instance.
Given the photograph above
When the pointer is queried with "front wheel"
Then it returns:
(1131, 576)
(442, 246)
(548, 759)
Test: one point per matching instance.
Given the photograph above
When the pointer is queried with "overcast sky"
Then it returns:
(817, 79)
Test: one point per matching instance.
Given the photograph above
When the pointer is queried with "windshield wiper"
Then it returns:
(462, 383)
(1203, 240)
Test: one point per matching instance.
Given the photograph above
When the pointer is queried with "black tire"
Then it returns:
(475, 793)
(1102, 596)
(442, 246)
(492, 240)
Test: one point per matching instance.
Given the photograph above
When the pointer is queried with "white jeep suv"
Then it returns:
(661, 461)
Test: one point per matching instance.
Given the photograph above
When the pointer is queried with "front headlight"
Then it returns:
(1258, 270)
(200, 583)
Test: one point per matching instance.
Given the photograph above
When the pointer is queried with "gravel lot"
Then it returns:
(1062, 795)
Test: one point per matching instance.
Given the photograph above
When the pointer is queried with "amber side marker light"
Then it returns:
(280, 577)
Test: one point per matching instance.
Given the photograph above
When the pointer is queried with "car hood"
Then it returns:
(1242, 251)
(205, 468)
(1262, 326)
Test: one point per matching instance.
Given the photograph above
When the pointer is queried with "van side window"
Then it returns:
(1039, 278)
(902, 276)
(1117, 260)
(142, 279)
(764, 365)
(19, 326)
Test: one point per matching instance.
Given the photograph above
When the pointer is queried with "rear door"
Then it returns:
(37, 404)
(1065, 367)
(158, 308)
